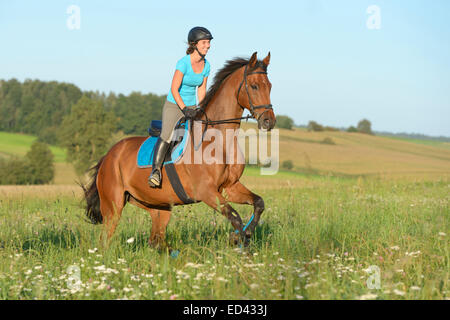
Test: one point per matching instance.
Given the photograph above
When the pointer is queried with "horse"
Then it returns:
(116, 180)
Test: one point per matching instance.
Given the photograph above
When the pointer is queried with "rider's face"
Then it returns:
(203, 46)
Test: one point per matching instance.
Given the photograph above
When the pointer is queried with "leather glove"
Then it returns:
(191, 112)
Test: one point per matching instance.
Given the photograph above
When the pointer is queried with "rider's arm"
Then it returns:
(201, 91)
(176, 83)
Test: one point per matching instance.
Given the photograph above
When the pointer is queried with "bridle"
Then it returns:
(267, 107)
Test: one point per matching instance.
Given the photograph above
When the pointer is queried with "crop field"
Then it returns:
(321, 237)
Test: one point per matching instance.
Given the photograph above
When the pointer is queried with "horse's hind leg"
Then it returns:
(160, 220)
(112, 199)
(111, 211)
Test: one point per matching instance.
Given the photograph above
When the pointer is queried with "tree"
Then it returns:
(364, 126)
(136, 111)
(314, 126)
(284, 122)
(40, 162)
(86, 132)
(287, 164)
(36, 168)
(15, 171)
(11, 92)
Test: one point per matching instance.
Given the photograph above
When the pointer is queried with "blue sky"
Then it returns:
(326, 64)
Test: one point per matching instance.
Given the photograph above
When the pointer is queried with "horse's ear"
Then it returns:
(266, 60)
(253, 60)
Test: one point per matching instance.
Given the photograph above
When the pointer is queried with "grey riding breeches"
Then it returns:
(171, 114)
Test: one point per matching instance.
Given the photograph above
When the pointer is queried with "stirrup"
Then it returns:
(154, 180)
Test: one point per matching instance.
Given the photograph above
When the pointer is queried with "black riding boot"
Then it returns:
(158, 158)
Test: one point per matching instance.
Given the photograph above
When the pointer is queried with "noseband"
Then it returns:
(267, 107)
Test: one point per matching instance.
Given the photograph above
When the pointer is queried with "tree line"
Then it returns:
(363, 126)
(83, 122)
(39, 107)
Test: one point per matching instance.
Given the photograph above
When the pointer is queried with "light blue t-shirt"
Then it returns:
(191, 81)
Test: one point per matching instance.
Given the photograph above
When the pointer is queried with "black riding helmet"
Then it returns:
(199, 33)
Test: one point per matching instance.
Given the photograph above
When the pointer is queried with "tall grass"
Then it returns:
(317, 239)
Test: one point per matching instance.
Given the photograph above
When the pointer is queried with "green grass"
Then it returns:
(19, 144)
(315, 242)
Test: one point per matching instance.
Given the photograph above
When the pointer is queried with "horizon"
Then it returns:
(331, 63)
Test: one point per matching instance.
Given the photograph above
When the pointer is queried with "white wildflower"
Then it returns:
(368, 296)
(192, 265)
(102, 286)
(221, 279)
(399, 292)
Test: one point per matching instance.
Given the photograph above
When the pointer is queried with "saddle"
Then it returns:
(176, 148)
(174, 153)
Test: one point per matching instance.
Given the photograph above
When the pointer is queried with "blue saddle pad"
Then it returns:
(145, 153)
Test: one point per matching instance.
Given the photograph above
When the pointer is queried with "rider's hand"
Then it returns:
(191, 112)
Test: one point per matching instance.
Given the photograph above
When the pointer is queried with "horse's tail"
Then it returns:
(92, 197)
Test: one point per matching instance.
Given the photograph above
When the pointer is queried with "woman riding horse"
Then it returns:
(242, 84)
(192, 71)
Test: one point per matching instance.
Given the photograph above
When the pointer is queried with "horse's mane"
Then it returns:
(229, 67)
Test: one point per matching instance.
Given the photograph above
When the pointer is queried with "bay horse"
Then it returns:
(116, 179)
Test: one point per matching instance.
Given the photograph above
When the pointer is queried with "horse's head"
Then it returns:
(254, 92)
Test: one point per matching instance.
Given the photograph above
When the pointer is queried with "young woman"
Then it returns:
(191, 72)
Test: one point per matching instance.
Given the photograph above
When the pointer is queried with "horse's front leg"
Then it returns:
(216, 201)
(238, 193)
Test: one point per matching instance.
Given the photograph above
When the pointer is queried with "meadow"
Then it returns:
(367, 210)
(320, 238)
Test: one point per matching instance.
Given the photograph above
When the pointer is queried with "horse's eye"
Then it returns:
(254, 87)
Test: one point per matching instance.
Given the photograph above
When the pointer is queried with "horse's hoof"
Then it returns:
(174, 253)
(235, 238)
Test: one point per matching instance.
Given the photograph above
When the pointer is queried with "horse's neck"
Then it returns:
(225, 106)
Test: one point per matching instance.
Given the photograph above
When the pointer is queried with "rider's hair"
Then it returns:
(191, 47)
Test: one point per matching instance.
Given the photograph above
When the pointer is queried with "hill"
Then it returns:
(360, 154)
(19, 144)
(352, 154)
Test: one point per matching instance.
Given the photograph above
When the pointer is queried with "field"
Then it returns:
(366, 218)
(20, 144)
